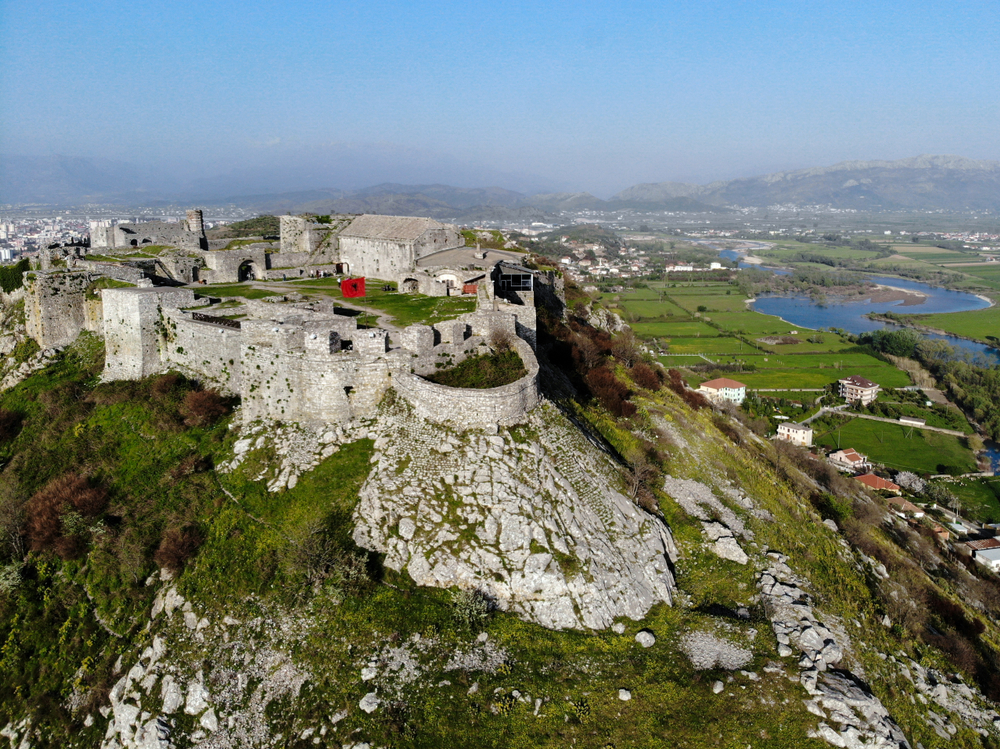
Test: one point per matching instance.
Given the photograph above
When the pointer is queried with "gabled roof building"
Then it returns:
(857, 389)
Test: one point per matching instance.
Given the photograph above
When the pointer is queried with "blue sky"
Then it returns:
(579, 96)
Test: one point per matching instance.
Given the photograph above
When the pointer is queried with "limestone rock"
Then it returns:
(645, 638)
(370, 702)
(538, 528)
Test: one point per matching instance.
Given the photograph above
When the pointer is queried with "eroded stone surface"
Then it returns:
(529, 518)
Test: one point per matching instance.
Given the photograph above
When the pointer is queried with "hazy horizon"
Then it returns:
(576, 97)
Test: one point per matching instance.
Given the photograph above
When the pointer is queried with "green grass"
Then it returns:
(671, 329)
(977, 324)
(405, 309)
(922, 452)
(706, 345)
(246, 291)
(980, 498)
(484, 371)
(885, 375)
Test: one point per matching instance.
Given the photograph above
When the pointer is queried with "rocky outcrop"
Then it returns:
(528, 516)
(837, 696)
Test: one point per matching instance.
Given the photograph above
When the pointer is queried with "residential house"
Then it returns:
(857, 389)
(724, 389)
(988, 558)
(878, 483)
(904, 507)
(849, 460)
(797, 434)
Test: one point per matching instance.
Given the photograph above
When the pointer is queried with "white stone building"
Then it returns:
(724, 389)
(797, 434)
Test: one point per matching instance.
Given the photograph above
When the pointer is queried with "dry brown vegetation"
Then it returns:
(50, 511)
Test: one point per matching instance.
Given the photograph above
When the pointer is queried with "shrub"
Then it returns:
(10, 424)
(644, 376)
(177, 546)
(610, 392)
(202, 407)
(165, 384)
(501, 340)
(70, 494)
(471, 608)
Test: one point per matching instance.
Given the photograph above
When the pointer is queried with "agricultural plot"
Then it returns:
(885, 375)
(902, 448)
(980, 498)
(651, 308)
(657, 329)
(978, 324)
(710, 346)
(680, 361)
(754, 324)
(712, 302)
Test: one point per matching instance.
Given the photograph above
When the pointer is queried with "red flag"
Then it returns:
(351, 287)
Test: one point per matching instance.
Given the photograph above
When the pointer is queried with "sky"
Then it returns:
(536, 96)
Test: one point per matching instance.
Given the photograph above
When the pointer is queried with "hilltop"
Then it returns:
(624, 566)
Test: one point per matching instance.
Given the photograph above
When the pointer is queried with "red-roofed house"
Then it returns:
(856, 389)
(904, 508)
(878, 483)
(724, 389)
(849, 460)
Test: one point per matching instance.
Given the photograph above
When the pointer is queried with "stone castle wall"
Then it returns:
(56, 306)
(209, 350)
(135, 329)
(472, 408)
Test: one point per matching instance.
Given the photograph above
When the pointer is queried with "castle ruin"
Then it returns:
(305, 360)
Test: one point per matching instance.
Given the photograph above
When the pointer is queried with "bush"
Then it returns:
(10, 424)
(645, 376)
(202, 407)
(610, 392)
(177, 546)
(471, 608)
(65, 497)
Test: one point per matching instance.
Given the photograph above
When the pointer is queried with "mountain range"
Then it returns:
(948, 183)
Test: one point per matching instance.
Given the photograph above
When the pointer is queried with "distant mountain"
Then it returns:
(68, 179)
(949, 183)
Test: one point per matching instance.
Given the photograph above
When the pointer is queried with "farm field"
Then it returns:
(980, 498)
(657, 329)
(922, 452)
(680, 361)
(885, 375)
(976, 324)
(706, 345)
(651, 308)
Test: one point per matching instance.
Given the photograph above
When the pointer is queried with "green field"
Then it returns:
(670, 329)
(976, 324)
(717, 345)
(885, 375)
(980, 498)
(922, 452)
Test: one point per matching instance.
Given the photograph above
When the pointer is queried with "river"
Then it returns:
(850, 315)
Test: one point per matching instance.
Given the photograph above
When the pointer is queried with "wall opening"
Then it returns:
(245, 272)
(409, 285)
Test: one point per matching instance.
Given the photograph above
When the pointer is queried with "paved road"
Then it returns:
(842, 410)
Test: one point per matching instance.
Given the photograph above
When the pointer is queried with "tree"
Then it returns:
(626, 348)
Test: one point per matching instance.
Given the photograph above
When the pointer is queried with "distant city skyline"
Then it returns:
(586, 96)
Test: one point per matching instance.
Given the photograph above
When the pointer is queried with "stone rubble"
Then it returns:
(532, 522)
(836, 696)
(705, 651)
(292, 449)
